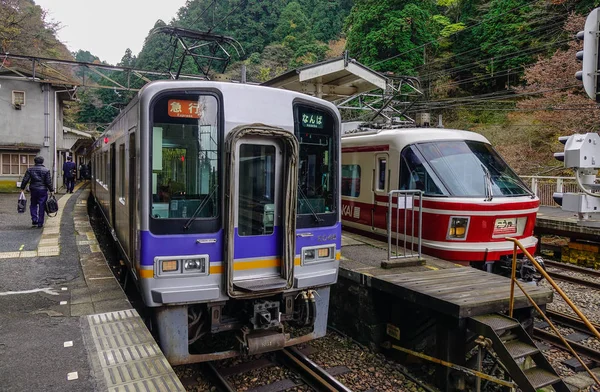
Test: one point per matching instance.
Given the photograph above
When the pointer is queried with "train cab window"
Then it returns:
(317, 169)
(472, 169)
(415, 175)
(351, 180)
(381, 170)
(185, 162)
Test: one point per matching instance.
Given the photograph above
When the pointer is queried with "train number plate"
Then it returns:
(505, 226)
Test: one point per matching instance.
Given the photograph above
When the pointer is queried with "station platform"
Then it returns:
(441, 286)
(555, 221)
(65, 323)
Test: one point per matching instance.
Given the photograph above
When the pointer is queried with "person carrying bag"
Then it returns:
(40, 182)
(22, 203)
(51, 206)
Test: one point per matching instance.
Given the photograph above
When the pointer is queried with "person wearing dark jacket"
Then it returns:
(40, 182)
(69, 173)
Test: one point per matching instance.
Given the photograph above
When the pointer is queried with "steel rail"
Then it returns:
(223, 383)
(575, 280)
(570, 321)
(578, 347)
(316, 376)
(572, 267)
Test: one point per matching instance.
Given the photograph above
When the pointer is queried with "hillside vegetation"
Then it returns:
(503, 68)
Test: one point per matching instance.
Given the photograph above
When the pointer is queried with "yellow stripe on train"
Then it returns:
(238, 266)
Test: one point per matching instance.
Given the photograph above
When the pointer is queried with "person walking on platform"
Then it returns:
(69, 173)
(40, 182)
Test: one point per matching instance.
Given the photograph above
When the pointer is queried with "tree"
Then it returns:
(555, 98)
(24, 30)
(293, 27)
(389, 34)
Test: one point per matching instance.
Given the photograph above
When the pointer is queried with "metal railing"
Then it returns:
(513, 281)
(544, 186)
(405, 200)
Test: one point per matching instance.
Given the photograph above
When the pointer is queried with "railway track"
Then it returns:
(573, 279)
(571, 322)
(308, 372)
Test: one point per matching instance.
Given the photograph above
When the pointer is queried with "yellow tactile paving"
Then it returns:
(28, 253)
(49, 242)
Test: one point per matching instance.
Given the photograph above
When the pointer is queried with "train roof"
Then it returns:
(398, 138)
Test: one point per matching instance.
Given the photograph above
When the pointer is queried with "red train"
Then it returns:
(472, 200)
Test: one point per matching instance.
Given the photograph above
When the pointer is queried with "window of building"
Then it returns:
(16, 164)
(351, 180)
(18, 98)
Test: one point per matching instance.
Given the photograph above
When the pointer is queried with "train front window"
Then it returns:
(184, 158)
(317, 175)
(415, 175)
(470, 168)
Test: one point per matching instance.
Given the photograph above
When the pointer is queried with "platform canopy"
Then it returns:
(331, 80)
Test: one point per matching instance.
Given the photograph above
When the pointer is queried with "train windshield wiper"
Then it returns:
(518, 183)
(200, 208)
(489, 191)
(307, 201)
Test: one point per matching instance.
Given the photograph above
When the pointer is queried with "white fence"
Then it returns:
(545, 186)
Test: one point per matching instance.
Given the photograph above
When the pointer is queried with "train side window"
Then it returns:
(381, 171)
(122, 173)
(414, 174)
(351, 180)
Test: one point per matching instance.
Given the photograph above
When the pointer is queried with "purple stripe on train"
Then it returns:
(255, 246)
(320, 236)
(244, 247)
(180, 245)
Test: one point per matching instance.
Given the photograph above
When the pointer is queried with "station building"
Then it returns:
(31, 123)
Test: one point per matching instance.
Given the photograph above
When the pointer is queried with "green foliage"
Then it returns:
(293, 26)
(24, 30)
(391, 29)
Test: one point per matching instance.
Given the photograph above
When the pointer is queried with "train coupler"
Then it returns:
(258, 342)
(265, 315)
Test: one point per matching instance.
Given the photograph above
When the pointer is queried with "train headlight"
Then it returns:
(457, 230)
(195, 265)
(174, 266)
(318, 254)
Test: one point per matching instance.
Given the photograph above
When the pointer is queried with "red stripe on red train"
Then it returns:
(470, 205)
(367, 148)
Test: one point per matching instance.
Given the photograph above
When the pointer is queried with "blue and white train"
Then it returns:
(224, 200)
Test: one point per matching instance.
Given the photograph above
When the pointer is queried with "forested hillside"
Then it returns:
(24, 30)
(504, 68)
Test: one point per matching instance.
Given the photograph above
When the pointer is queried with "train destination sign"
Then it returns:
(312, 120)
(181, 108)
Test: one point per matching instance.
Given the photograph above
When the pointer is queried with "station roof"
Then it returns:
(331, 80)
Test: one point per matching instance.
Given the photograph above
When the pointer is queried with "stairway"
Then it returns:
(511, 342)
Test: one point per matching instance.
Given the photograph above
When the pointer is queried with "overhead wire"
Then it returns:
(505, 57)
(544, 27)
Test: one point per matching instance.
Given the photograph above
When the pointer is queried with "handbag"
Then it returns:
(22, 203)
(51, 206)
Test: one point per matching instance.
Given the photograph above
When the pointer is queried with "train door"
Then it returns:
(381, 174)
(132, 203)
(260, 251)
(112, 187)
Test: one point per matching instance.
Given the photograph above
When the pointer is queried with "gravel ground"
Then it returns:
(368, 371)
(587, 300)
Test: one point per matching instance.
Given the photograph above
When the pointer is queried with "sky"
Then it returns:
(107, 28)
